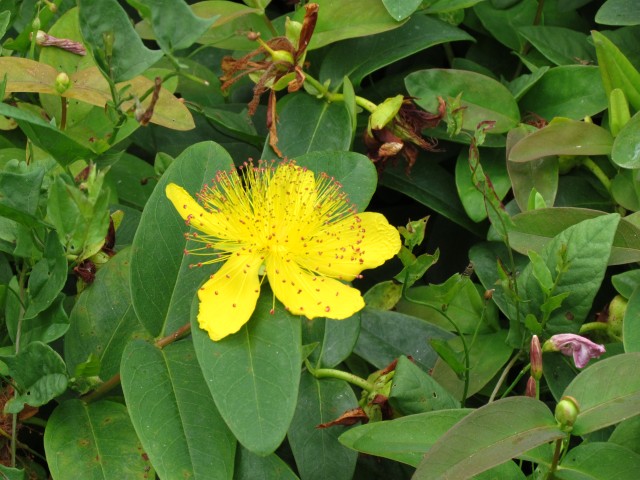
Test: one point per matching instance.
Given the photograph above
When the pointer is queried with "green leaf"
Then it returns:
(483, 98)
(504, 23)
(562, 46)
(173, 412)
(432, 186)
(354, 171)
(94, 441)
(625, 152)
(47, 278)
(384, 336)
(46, 326)
(250, 466)
(124, 56)
(401, 9)
(598, 461)
(533, 230)
(627, 434)
(317, 452)
(487, 356)
(337, 21)
(174, 24)
(9, 473)
(337, 339)
(540, 174)
(618, 12)
(102, 320)
(626, 282)
(404, 439)
(253, 375)
(39, 375)
(616, 70)
(489, 436)
(540, 271)
(163, 285)
(371, 53)
(134, 180)
(614, 400)
(563, 138)
(571, 91)
(493, 165)
(61, 147)
(307, 124)
(20, 192)
(414, 391)
(631, 323)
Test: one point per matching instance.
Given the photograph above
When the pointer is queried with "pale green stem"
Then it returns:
(593, 326)
(340, 375)
(338, 97)
(597, 172)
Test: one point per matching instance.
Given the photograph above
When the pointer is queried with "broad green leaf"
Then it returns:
(9, 473)
(563, 138)
(337, 21)
(631, 323)
(627, 434)
(625, 152)
(446, 6)
(404, 439)
(401, 9)
(173, 412)
(432, 186)
(47, 278)
(39, 375)
(20, 192)
(95, 441)
(614, 400)
(354, 171)
(236, 124)
(493, 165)
(504, 23)
(483, 98)
(618, 12)
(488, 354)
(521, 85)
(598, 461)
(616, 69)
(414, 391)
(467, 309)
(540, 174)
(162, 284)
(134, 180)
(489, 436)
(562, 46)
(384, 336)
(46, 326)
(253, 375)
(533, 230)
(103, 320)
(371, 53)
(307, 124)
(337, 339)
(625, 189)
(53, 141)
(580, 253)
(116, 47)
(572, 91)
(317, 452)
(174, 24)
(250, 466)
(626, 282)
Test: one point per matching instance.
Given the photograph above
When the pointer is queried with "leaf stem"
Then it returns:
(593, 326)
(339, 97)
(340, 375)
(594, 168)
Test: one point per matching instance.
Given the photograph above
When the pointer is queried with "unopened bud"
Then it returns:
(62, 83)
(45, 40)
(535, 357)
(53, 8)
(35, 25)
(253, 36)
(488, 294)
(531, 388)
(292, 30)
(567, 412)
(282, 56)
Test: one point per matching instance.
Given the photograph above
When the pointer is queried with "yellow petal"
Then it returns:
(345, 248)
(310, 295)
(292, 192)
(192, 212)
(229, 298)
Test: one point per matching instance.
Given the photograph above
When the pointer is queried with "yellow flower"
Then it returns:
(284, 221)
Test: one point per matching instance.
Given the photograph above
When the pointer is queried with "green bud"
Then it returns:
(35, 25)
(535, 356)
(567, 412)
(385, 112)
(282, 56)
(292, 31)
(62, 83)
(618, 111)
(617, 309)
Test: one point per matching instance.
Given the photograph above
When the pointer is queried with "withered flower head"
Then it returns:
(398, 130)
(277, 63)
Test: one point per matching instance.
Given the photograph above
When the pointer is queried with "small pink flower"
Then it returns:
(581, 348)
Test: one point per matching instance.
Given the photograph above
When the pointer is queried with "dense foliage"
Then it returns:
(142, 334)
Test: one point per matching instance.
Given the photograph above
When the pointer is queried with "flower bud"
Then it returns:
(62, 83)
(35, 25)
(567, 412)
(282, 56)
(535, 357)
(617, 309)
(531, 388)
(292, 30)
